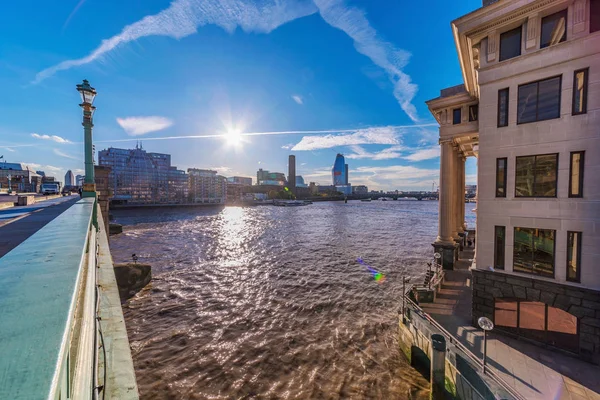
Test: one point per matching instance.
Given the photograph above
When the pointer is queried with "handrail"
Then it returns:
(452, 339)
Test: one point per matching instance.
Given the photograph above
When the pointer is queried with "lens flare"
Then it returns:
(377, 276)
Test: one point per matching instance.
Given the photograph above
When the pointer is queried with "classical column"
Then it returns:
(445, 195)
(454, 180)
(463, 187)
(460, 192)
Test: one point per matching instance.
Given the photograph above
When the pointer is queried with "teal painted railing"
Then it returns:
(48, 347)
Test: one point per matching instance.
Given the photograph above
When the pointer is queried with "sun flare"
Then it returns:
(233, 137)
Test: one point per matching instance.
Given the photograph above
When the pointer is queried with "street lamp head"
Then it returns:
(87, 92)
(437, 255)
(485, 323)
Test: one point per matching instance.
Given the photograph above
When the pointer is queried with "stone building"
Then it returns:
(205, 186)
(529, 110)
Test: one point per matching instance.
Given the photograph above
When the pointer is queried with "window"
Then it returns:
(576, 174)
(536, 176)
(510, 44)
(456, 116)
(594, 16)
(554, 29)
(574, 256)
(473, 112)
(501, 177)
(499, 236)
(502, 107)
(580, 83)
(539, 101)
(533, 251)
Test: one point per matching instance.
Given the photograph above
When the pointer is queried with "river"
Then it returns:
(271, 303)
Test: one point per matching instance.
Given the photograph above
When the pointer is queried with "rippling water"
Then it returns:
(269, 302)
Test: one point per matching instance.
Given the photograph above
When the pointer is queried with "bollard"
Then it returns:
(438, 366)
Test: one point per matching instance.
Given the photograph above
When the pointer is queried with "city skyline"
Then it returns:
(314, 78)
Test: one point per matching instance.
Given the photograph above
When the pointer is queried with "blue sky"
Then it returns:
(336, 75)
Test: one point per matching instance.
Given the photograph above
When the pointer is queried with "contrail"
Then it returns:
(321, 132)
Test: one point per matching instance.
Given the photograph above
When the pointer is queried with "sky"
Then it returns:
(233, 85)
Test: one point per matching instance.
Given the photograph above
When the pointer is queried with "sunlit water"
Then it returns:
(270, 302)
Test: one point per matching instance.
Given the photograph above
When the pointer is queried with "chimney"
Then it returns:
(292, 174)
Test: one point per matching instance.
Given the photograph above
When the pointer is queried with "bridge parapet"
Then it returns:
(53, 287)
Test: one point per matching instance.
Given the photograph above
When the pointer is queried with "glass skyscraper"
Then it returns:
(339, 171)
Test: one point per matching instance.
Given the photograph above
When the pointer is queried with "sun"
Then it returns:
(233, 137)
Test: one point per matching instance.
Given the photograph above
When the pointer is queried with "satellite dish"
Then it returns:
(437, 256)
(485, 323)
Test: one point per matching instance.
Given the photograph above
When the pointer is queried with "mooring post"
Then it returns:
(438, 366)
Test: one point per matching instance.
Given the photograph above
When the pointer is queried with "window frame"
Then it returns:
(503, 247)
(505, 176)
(581, 170)
(553, 253)
(586, 78)
(537, 95)
(507, 90)
(579, 246)
(454, 110)
(534, 176)
(520, 28)
(564, 11)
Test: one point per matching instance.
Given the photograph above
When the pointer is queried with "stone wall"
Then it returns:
(580, 302)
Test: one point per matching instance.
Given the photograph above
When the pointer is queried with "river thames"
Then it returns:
(270, 302)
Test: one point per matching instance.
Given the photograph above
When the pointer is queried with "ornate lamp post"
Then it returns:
(88, 94)
(487, 325)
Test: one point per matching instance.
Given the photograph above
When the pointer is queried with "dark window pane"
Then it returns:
(533, 251)
(501, 177)
(594, 15)
(525, 169)
(522, 250)
(510, 44)
(562, 329)
(503, 107)
(527, 103)
(456, 116)
(576, 174)
(473, 112)
(548, 99)
(573, 256)
(545, 175)
(554, 29)
(543, 252)
(499, 236)
(580, 92)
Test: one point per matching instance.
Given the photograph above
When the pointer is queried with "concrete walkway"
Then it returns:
(19, 223)
(534, 371)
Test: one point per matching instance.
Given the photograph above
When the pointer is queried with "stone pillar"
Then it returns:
(463, 186)
(460, 193)
(444, 244)
(454, 193)
(438, 367)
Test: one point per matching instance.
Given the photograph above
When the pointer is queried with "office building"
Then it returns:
(240, 180)
(69, 178)
(205, 186)
(300, 182)
(79, 180)
(22, 178)
(264, 177)
(339, 173)
(139, 177)
(529, 110)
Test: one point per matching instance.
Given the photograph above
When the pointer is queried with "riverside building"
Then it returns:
(339, 174)
(529, 110)
(205, 186)
(138, 177)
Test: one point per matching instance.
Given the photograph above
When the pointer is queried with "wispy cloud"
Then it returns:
(183, 17)
(287, 146)
(385, 154)
(8, 149)
(383, 135)
(55, 138)
(221, 170)
(354, 23)
(401, 177)
(298, 99)
(135, 126)
(424, 154)
(65, 155)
